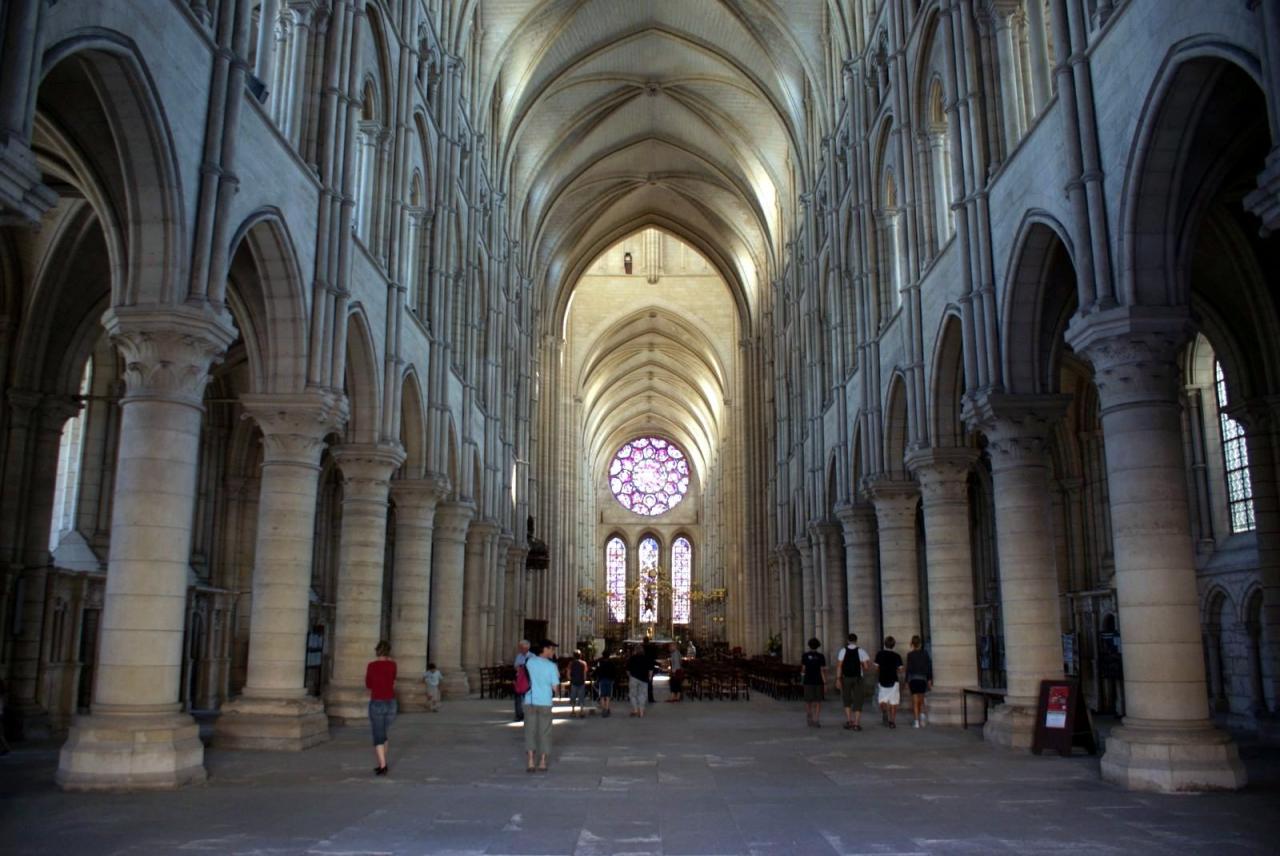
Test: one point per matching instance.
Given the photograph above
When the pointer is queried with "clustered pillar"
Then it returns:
(415, 501)
(447, 562)
(895, 503)
(861, 576)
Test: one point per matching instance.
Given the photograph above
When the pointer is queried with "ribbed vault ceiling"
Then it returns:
(610, 115)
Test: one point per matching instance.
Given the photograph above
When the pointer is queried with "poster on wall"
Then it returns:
(1056, 713)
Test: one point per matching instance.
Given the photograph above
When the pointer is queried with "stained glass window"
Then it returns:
(615, 578)
(681, 579)
(648, 592)
(1235, 454)
(649, 475)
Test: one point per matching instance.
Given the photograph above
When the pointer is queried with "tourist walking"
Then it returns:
(639, 674)
(853, 663)
(919, 680)
(544, 676)
(889, 667)
(606, 673)
(522, 655)
(431, 677)
(380, 679)
(577, 686)
(813, 671)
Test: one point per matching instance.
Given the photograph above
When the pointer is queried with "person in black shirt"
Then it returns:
(606, 674)
(919, 680)
(813, 668)
(889, 666)
(639, 673)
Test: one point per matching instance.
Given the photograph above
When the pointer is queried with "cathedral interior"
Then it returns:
(733, 322)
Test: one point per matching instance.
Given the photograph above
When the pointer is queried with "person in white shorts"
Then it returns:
(889, 666)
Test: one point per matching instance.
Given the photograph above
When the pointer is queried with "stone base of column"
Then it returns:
(273, 724)
(27, 721)
(1010, 725)
(944, 706)
(473, 678)
(1141, 757)
(411, 695)
(128, 751)
(454, 685)
(346, 705)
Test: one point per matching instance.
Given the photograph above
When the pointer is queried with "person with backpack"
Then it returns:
(521, 683)
(852, 663)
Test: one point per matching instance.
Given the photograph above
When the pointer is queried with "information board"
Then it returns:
(1062, 719)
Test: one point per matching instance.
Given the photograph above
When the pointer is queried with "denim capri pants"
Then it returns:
(381, 715)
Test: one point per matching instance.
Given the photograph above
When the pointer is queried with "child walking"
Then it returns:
(431, 677)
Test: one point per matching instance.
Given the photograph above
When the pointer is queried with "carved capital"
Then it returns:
(367, 468)
(452, 520)
(422, 495)
(55, 410)
(1133, 351)
(294, 426)
(168, 352)
(481, 532)
(943, 473)
(1017, 427)
(894, 500)
(858, 521)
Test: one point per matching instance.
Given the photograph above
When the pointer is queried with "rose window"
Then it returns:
(649, 475)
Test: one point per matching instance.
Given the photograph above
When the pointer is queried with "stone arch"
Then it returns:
(361, 379)
(95, 79)
(1156, 201)
(1039, 297)
(947, 389)
(896, 427)
(413, 426)
(268, 301)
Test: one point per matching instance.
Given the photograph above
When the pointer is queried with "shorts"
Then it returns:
(919, 686)
(381, 715)
(888, 695)
(577, 694)
(814, 692)
(853, 692)
(604, 687)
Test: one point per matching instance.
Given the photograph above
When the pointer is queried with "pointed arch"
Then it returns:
(947, 388)
(895, 426)
(413, 426)
(362, 379)
(1039, 297)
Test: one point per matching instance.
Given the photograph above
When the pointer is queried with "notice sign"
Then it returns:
(1056, 714)
(1062, 719)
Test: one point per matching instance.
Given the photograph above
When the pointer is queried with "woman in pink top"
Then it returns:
(380, 678)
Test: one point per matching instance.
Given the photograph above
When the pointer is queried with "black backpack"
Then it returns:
(851, 665)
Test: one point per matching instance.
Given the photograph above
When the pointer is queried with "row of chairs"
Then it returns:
(717, 681)
(774, 679)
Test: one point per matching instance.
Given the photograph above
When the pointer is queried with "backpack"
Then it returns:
(851, 665)
(522, 684)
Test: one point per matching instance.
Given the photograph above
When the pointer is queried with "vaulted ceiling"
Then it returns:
(691, 115)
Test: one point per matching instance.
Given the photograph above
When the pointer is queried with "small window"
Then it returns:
(615, 559)
(1235, 455)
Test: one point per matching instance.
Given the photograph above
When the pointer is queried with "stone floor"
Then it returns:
(695, 778)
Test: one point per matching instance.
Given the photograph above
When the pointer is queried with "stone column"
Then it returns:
(793, 638)
(1261, 419)
(810, 589)
(36, 432)
(275, 711)
(479, 536)
(136, 735)
(416, 501)
(862, 577)
(447, 559)
(895, 504)
(500, 563)
(831, 627)
(1018, 430)
(22, 195)
(1265, 201)
(1002, 12)
(366, 473)
(1167, 742)
(516, 593)
(944, 495)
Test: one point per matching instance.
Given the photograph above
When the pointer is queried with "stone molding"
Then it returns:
(294, 426)
(858, 521)
(1265, 200)
(481, 530)
(168, 352)
(452, 521)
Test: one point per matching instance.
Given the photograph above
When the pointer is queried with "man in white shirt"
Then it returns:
(852, 664)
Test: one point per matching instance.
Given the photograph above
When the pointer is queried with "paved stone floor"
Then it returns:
(695, 778)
